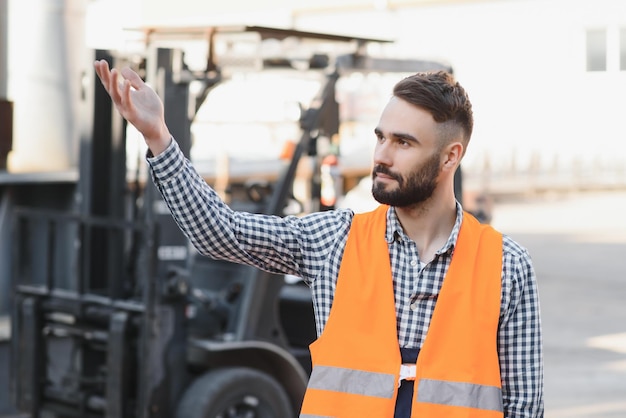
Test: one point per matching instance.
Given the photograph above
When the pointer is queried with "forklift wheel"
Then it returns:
(235, 392)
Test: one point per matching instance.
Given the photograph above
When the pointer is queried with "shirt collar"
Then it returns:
(394, 231)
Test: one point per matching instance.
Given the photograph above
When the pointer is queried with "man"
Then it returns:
(401, 340)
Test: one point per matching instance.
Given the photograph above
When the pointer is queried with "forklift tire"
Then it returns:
(235, 392)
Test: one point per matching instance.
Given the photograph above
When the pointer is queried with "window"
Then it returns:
(596, 49)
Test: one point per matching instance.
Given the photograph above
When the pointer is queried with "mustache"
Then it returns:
(384, 170)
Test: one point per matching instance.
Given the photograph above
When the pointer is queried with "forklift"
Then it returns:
(114, 315)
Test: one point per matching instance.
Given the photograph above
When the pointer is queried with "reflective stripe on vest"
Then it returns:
(460, 394)
(356, 382)
(315, 416)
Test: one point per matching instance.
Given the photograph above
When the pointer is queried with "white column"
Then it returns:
(4, 32)
(46, 63)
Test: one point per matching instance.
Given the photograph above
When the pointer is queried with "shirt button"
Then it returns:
(414, 262)
(414, 306)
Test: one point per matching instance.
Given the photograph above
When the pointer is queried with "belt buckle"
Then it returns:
(408, 372)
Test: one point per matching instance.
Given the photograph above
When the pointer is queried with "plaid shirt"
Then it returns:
(311, 247)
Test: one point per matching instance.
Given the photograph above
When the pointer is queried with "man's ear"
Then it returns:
(452, 154)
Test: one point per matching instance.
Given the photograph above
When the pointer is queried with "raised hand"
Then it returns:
(137, 102)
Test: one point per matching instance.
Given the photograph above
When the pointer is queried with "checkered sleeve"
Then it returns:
(519, 336)
(285, 245)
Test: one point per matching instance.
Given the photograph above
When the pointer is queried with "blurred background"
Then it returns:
(546, 163)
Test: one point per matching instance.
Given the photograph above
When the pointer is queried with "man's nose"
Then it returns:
(382, 154)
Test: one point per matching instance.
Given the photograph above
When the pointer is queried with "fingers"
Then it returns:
(113, 87)
(102, 69)
(107, 77)
(119, 90)
(135, 81)
(125, 95)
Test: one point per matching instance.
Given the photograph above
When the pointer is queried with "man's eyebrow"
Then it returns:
(404, 136)
(398, 135)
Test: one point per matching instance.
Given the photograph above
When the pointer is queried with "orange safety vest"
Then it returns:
(356, 360)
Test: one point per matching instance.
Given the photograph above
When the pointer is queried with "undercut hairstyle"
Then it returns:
(445, 99)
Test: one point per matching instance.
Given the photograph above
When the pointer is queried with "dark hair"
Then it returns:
(443, 97)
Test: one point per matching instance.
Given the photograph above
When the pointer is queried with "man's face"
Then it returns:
(407, 157)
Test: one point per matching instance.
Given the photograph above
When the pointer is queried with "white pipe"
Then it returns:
(4, 33)
(46, 58)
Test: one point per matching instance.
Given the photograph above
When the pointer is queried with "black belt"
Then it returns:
(404, 400)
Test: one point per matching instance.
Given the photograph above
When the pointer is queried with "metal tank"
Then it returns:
(45, 56)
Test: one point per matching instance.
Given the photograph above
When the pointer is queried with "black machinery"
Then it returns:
(113, 315)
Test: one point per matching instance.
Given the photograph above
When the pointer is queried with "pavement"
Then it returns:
(578, 245)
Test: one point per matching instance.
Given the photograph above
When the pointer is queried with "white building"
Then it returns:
(547, 77)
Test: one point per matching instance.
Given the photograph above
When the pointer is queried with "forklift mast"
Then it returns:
(98, 317)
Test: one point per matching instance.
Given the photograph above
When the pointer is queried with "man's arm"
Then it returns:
(519, 336)
(287, 245)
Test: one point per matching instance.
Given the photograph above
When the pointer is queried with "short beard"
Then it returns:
(418, 187)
